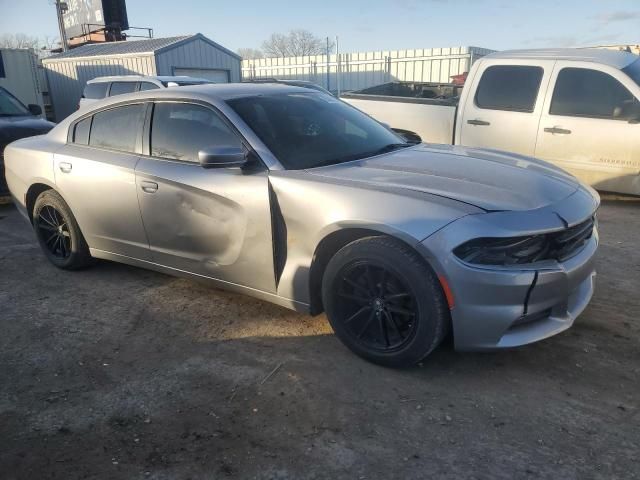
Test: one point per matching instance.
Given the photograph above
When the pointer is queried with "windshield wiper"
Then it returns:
(359, 156)
(390, 148)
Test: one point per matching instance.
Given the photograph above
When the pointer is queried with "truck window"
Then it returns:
(509, 87)
(633, 70)
(95, 91)
(581, 92)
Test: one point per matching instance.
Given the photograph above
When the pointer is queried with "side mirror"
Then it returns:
(35, 109)
(222, 157)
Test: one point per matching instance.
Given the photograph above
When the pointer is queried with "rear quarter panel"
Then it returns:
(28, 161)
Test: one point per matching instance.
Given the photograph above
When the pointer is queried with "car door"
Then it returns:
(95, 174)
(214, 222)
(590, 126)
(504, 111)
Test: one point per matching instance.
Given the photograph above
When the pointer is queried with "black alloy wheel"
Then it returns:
(384, 301)
(377, 308)
(54, 231)
(58, 232)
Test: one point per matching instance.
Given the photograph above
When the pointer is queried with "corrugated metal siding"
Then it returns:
(67, 78)
(21, 75)
(197, 54)
(366, 69)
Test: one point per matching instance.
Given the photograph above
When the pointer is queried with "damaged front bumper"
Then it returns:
(499, 307)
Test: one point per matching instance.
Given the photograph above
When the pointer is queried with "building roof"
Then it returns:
(132, 47)
(612, 58)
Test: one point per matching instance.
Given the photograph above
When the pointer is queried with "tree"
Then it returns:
(277, 45)
(250, 53)
(18, 40)
(296, 43)
(21, 40)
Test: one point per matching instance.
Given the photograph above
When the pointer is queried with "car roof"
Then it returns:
(613, 58)
(223, 91)
(138, 78)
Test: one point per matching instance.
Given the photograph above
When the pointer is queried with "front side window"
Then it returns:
(119, 88)
(95, 91)
(509, 87)
(117, 128)
(306, 130)
(180, 130)
(581, 92)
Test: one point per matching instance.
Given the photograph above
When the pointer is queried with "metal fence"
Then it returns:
(354, 71)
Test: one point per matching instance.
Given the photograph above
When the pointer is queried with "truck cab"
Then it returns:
(576, 108)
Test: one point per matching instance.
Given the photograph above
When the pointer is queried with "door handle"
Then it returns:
(65, 167)
(480, 123)
(558, 130)
(149, 187)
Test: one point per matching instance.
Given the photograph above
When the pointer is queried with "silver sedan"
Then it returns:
(297, 198)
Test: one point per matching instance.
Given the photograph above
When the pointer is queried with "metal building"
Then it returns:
(193, 55)
(355, 71)
(19, 75)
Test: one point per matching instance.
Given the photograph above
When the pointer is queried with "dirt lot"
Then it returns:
(116, 372)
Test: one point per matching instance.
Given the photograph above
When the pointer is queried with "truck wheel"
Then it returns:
(384, 302)
(58, 233)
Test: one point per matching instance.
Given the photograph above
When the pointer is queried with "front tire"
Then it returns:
(58, 232)
(384, 302)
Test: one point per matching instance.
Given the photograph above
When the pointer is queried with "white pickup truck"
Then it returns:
(576, 108)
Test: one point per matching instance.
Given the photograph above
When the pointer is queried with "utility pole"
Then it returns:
(338, 67)
(62, 7)
(328, 67)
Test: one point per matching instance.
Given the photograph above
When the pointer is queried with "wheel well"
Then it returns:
(326, 249)
(32, 194)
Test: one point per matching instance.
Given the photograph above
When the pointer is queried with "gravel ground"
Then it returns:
(120, 373)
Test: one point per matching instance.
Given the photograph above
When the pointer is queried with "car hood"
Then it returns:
(488, 179)
(13, 128)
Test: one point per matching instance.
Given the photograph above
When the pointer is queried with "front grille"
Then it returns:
(567, 243)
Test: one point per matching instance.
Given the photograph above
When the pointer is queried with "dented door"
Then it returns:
(212, 222)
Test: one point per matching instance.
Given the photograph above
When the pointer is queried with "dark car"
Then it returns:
(17, 121)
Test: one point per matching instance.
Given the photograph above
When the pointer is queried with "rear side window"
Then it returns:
(180, 130)
(582, 92)
(81, 131)
(509, 87)
(95, 91)
(117, 128)
(148, 86)
(118, 88)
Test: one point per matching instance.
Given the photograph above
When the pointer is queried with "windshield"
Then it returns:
(10, 106)
(306, 130)
(633, 71)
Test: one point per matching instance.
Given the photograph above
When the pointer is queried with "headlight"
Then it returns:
(503, 251)
(558, 246)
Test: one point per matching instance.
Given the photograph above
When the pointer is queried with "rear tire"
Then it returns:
(58, 232)
(384, 302)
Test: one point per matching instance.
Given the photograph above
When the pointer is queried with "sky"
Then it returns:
(364, 25)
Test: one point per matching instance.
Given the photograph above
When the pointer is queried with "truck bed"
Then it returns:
(426, 109)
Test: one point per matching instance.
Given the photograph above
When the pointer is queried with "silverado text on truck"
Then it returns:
(576, 108)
